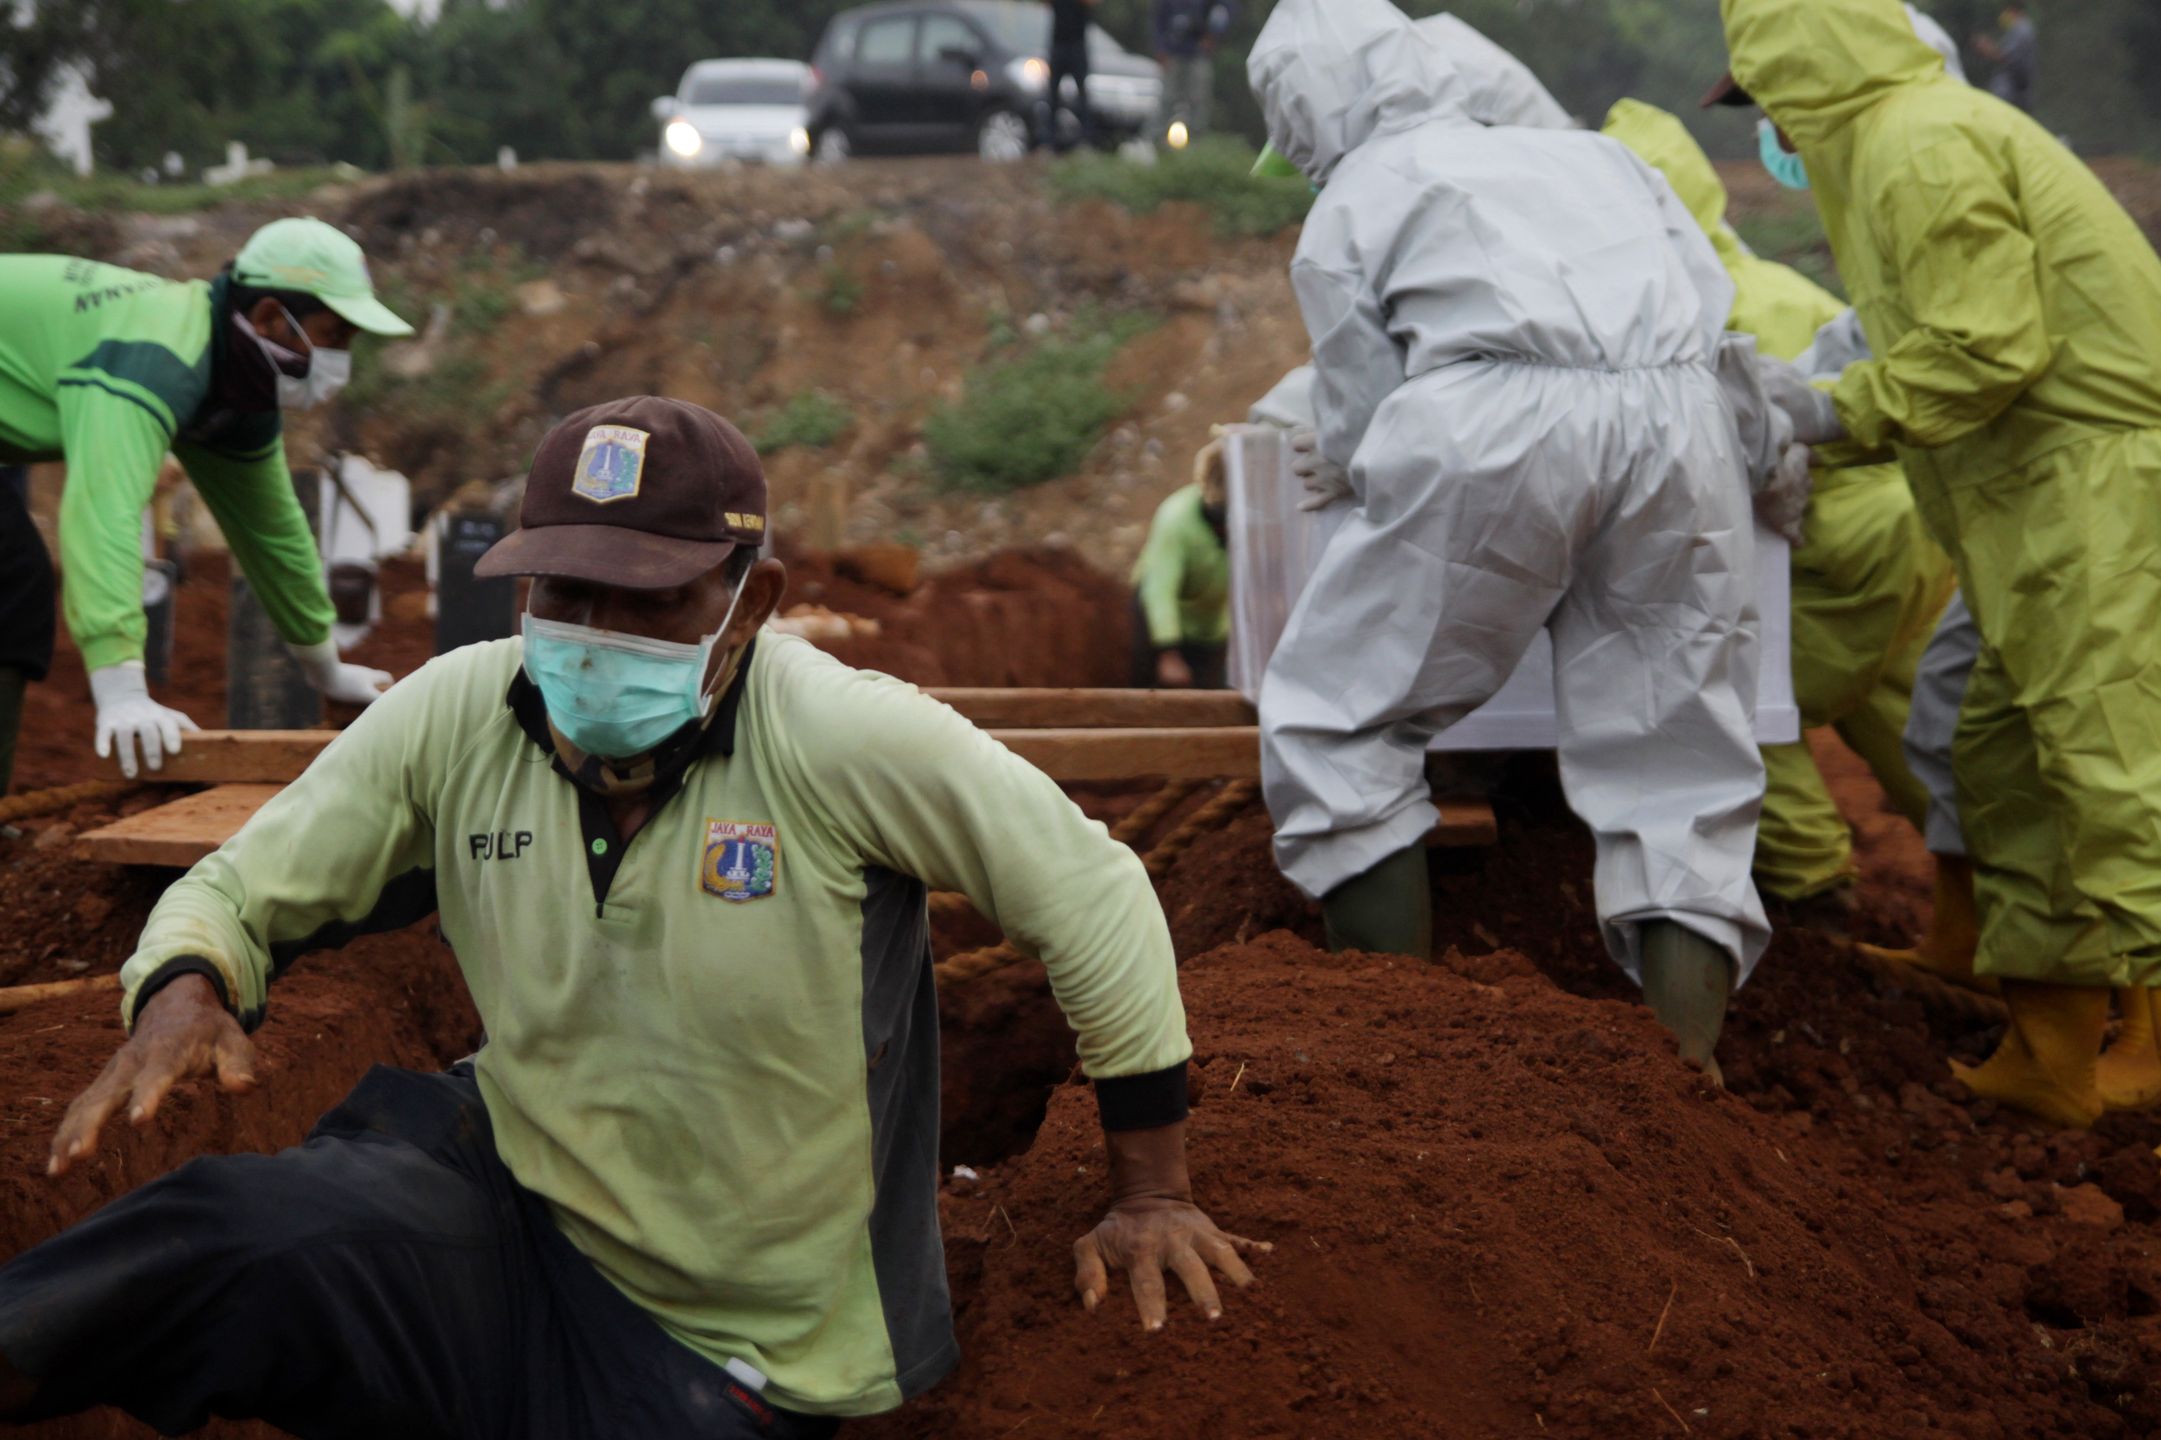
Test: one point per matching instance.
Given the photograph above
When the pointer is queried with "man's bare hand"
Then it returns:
(1172, 671)
(182, 1034)
(1147, 1236)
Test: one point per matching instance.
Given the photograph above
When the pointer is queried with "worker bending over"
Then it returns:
(1182, 585)
(1868, 583)
(1524, 413)
(689, 1184)
(2014, 314)
(107, 369)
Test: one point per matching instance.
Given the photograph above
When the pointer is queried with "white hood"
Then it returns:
(1498, 88)
(1332, 74)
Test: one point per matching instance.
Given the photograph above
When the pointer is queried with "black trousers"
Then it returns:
(27, 586)
(1069, 59)
(387, 1278)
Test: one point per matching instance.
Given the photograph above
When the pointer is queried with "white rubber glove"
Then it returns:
(1782, 503)
(1326, 482)
(346, 684)
(128, 716)
(1815, 417)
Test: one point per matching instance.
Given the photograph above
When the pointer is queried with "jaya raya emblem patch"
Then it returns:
(740, 858)
(611, 464)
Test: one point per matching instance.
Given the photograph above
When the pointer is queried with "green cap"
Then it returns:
(320, 260)
(1271, 165)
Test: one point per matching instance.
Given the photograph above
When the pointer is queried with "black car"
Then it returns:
(920, 76)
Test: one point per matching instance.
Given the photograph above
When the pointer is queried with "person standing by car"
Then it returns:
(1069, 59)
(2017, 53)
(1186, 35)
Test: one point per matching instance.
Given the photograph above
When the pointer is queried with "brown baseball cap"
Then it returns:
(1725, 91)
(644, 493)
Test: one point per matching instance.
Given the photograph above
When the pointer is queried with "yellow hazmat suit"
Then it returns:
(2015, 314)
(1868, 586)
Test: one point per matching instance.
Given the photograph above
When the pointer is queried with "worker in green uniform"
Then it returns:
(1868, 582)
(2013, 310)
(108, 369)
(689, 1186)
(1182, 585)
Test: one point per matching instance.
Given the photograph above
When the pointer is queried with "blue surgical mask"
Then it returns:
(1786, 169)
(616, 695)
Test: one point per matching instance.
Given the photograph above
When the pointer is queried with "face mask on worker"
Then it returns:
(1785, 168)
(306, 378)
(616, 695)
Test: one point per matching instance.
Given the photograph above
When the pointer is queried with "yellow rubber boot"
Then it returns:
(2129, 1071)
(2046, 1063)
(1954, 932)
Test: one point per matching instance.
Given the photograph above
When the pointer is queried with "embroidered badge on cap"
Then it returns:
(611, 464)
(740, 858)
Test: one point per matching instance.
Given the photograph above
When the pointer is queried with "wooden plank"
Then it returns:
(1015, 709)
(179, 832)
(1209, 753)
(1464, 822)
(183, 831)
(234, 757)
(230, 757)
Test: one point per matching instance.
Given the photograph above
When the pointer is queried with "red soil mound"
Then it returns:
(1499, 1209)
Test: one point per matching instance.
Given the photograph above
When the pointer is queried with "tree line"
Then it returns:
(321, 81)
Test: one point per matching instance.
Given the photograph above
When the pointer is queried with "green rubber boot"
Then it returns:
(12, 682)
(1387, 911)
(1687, 981)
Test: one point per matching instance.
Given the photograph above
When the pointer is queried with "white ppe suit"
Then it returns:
(1498, 89)
(1514, 333)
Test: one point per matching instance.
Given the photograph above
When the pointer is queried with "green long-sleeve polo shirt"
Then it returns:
(108, 369)
(713, 1050)
(1184, 575)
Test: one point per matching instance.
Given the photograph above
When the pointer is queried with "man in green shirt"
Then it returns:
(108, 369)
(689, 1185)
(1182, 585)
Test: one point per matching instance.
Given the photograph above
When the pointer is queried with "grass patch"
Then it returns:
(1032, 416)
(838, 289)
(1213, 172)
(813, 419)
(26, 170)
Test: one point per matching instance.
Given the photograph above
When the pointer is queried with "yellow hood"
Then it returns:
(1816, 65)
(1665, 144)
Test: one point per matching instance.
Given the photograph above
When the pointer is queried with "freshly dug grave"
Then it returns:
(1921, 1264)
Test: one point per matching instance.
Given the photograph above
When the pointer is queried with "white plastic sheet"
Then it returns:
(1274, 547)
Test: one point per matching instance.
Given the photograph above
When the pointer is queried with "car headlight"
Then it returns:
(1031, 74)
(799, 140)
(683, 138)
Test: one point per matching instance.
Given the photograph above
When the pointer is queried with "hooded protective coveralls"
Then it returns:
(1498, 89)
(1515, 334)
(1868, 583)
(2014, 310)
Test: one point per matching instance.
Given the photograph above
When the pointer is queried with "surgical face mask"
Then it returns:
(328, 370)
(1786, 169)
(306, 378)
(616, 695)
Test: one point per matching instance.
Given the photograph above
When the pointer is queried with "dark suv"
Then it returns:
(918, 76)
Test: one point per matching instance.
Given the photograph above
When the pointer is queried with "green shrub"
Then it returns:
(812, 419)
(838, 289)
(1033, 416)
(1213, 172)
